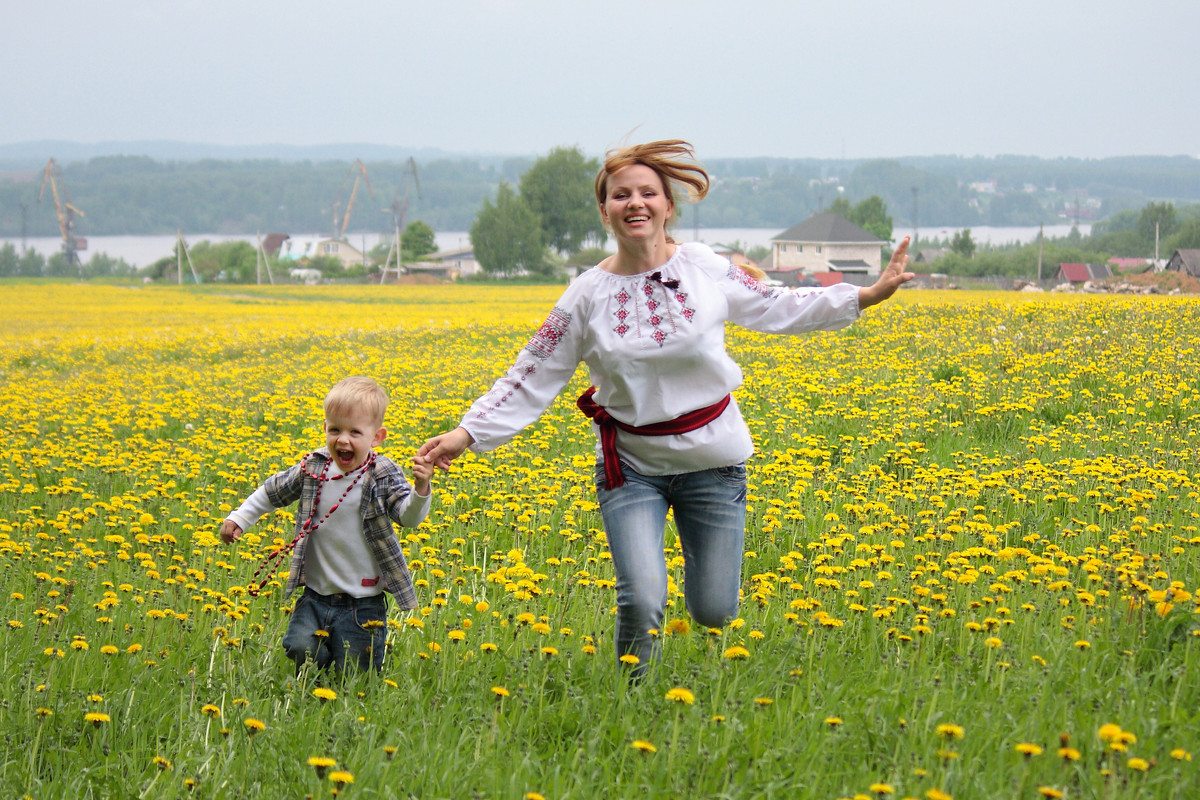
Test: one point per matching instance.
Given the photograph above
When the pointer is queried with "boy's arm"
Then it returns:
(406, 503)
(244, 516)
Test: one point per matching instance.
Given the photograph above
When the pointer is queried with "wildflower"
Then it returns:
(1028, 749)
(678, 627)
(881, 789)
(162, 763)
(549, 652)
(109, 650)
(389, 750)
(1140, 764)
(736, 652)
(1109, 732)
(993, 642)
(533, 796)
(209, 710)
(499, 691)
(341, 777)
(1068, 754)
(644, 746)
(833, 722)
(681, 695)
(1051, 792)
(763, 701)
(1083, 644)
(948, 730)
(133, 649)
(487, 647)
(938, 794)
(253, 726)
(320, 764)
(43, 712)
(630, 659)
(1179, 754)
(322, 693)
(96, 718)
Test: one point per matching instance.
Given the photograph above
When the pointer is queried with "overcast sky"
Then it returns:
(784, 78)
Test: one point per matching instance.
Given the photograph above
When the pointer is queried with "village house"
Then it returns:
(1081, 273)
(342, 251)
(825, 248)
(1185, 261)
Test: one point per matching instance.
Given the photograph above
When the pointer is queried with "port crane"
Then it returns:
(358, 171)
(65, 209)
(399, 209)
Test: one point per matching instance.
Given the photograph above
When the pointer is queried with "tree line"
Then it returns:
(131, 195)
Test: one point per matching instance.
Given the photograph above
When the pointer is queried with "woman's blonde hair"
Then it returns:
(671, 159)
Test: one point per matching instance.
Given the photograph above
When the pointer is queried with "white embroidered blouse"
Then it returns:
(654, 344)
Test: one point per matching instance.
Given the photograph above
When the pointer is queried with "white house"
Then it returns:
(342, 251)
(825, 243)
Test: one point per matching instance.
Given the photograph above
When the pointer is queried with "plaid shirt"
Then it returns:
(385, 491)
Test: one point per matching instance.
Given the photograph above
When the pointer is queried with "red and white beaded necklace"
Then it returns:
(311, 524)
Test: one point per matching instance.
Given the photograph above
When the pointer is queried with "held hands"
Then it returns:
(230, 532)
(889, 280)
(422, 472)
(442, 449)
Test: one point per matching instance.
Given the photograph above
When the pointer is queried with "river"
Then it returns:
(140, 251)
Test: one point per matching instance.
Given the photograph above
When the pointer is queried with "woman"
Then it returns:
(649, 322)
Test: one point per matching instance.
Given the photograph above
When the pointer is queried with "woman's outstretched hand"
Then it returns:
(889, 280)
(442, 449)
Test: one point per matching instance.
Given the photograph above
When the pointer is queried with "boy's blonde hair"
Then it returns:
(357, 393)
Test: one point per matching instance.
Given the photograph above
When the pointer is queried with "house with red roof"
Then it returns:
(1081, 273)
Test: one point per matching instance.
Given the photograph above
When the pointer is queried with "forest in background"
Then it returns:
(153, 195)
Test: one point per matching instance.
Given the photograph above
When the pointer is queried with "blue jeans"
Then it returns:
(356, 628)
(710, 515)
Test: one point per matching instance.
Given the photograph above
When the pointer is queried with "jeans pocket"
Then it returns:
(732, 475)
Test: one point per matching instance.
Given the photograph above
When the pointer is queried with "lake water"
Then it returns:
(141, 251)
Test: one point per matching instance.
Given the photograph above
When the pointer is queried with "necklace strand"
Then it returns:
(254, 588)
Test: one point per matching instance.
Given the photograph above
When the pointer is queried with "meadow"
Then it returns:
(972, 567)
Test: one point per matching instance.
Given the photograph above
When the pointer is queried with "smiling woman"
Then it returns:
(649, 322)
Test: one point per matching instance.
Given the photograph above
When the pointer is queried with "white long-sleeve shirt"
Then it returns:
(654, 344)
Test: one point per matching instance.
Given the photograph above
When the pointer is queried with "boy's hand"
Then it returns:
(422, 472)
(230, 532)
(442, 449)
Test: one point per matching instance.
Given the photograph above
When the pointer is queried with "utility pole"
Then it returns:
(1041, 230)
(916, 228)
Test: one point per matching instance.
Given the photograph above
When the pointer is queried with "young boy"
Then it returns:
(346, 552)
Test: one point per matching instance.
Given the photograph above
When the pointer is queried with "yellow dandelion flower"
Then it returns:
(1083, 644)
(1109, 732)
(499, 691)
(644, 746)
(1139, 764)
(630, 659)
(341, 777)
(109, 650)
(96, 718)
(253, 725)
(549, 651)
(948, 730)
(456, 635)
(833, 722)
(322, 693)
(1069, 754)
(938, 794)
(1179, 754)
(488, 647)
(43, 712)
(736, 652)
(881, 789)
(209, 710)
(1051, 792)
(1028, 749)
(678, 627)
(389, 750)
(763, 701)
(681, 695)
(993, 642)
(533, 796)
(162, 763)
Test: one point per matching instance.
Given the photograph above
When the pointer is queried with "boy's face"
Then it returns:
(350, 437)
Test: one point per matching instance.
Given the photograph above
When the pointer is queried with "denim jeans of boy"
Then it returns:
(710, 515)
(352, 629)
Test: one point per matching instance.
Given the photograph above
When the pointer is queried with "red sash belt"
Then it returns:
(608, 425)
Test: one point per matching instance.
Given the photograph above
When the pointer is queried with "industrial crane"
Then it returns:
(359, 172)
(398, 210)
(65, 209)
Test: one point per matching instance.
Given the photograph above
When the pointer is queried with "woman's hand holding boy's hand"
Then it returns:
(422, 473)
(230, 532)
(442, 449)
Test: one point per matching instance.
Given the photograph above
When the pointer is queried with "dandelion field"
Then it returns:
(972, 567)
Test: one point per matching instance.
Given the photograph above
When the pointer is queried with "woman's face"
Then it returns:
(636, 208)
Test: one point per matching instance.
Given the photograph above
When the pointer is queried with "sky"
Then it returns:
(744, 78)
